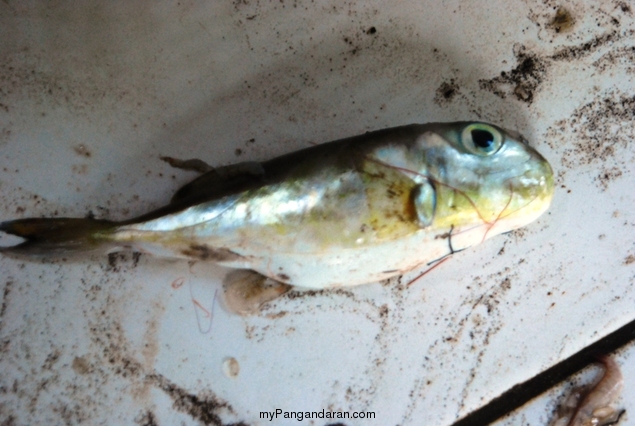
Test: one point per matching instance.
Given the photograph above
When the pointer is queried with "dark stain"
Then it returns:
(625, 7)
(283, 277)
(81, 366)
(446, 92)
(595, 140)
(522, 81)
(147, 419)
(238, 4)
(5, 300)
(9, 421)
(383, 311)
(358, 41)
(205, 252)
(112, 261)
(606, 176)
(82, 150)
(629, 259)
(621, 55)
(576, 52)
(203, 409)
(122, 260)
(506, 284)
(51, 359)
(563, 21)
(291, 295)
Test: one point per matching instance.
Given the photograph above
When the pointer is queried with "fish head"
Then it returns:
(488, 180)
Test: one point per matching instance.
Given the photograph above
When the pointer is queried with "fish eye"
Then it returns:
(481, 139)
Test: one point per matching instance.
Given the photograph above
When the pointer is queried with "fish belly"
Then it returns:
(347, 267)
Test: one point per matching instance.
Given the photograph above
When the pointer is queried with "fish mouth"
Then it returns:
(521, 200)
(530, 196)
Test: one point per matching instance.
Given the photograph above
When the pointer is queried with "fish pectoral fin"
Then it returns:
(424, 200)
(246, 291)
(221, 181)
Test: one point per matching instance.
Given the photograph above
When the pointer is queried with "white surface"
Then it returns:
(129, 82)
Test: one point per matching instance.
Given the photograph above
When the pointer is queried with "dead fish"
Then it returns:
(594, 407)
(343, 213)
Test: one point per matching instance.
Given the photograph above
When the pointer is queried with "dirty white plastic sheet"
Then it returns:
(93, 93)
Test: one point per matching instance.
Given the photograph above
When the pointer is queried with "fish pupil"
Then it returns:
(482, 138)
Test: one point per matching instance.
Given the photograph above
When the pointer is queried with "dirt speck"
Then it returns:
(82, 150)
(624, 7)
(383, 310)
(518, 233)
(151, 341)
(147, 419)
(80, 365)
(624, 57)
(563, 21)
(5, 300)
(606, 176)
(276, 315)
(80, 169)
(204, 408)
(123, 261)
(205, 252)
(579, 51)
(51, 360)
(522, 81)
(446, 92)
(231, 367)
(629, 259)
(601, 134)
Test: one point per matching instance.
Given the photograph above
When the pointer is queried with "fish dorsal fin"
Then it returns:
(222, 181)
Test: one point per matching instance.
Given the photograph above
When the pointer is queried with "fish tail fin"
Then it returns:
(57, 235)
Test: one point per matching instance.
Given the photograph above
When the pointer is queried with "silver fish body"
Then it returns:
(347, 212)
(361, 209)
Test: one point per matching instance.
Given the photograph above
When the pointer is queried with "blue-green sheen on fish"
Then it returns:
(343, 213)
